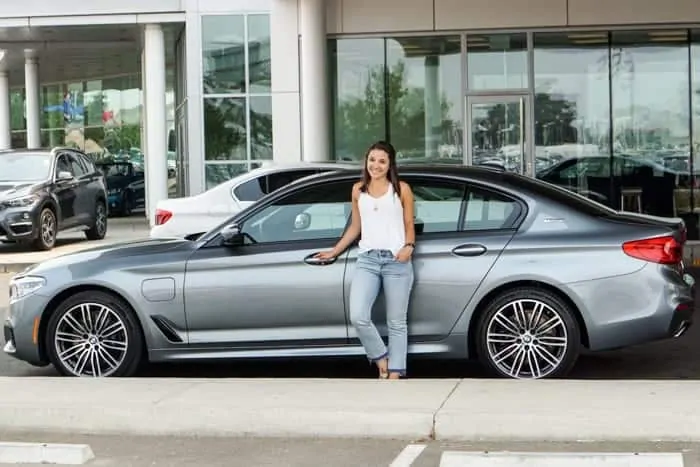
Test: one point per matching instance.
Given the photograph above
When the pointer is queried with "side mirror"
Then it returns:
(63, 176)
(231, 234)
(302, 221)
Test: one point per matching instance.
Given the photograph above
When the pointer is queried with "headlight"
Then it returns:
(23, 286)
(22, 202)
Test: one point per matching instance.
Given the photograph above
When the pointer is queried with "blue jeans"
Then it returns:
(373, 269)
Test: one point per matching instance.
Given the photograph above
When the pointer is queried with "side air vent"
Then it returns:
(167, 328)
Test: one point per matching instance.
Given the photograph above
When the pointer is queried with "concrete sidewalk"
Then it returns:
(466, 410)
(15, 258)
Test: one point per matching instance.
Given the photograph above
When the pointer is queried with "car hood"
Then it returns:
(10, 190)
(114, 252)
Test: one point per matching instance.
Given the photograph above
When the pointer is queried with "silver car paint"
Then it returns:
(274, 304)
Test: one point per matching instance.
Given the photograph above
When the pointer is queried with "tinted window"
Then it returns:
(253, 190)
(488, 210)
(560, 195)
(316, 213)
(437, 204)
(76, 167)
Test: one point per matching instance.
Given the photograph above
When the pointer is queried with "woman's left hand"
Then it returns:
(404, 254)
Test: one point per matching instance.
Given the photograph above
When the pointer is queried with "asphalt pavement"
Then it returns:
(670, 359)
(129, 451)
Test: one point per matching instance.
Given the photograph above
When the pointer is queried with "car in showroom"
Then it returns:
(193, 215)
(126, 185)
(515, 272)
(45, 192)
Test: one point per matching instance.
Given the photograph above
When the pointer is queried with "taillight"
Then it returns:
(662, 250)
(163, 216)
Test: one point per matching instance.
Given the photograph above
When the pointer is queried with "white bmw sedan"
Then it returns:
(180, 217)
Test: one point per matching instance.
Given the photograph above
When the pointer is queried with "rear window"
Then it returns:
(561, 195)
(254, 189)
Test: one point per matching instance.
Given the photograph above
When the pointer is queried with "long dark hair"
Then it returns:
(393, 173)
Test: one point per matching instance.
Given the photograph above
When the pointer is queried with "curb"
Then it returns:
(445, 410)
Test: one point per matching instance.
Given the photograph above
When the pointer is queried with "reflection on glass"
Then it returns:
(498, 135)
(695, 103)
(223, 53)
(651, 140)
(52, 138)
(424, 95)
(225, 129)
(19, 139)
(17, 111)
(217, 174)
(359, 98)
(259, 53)
(497, 61)
(572, 112)
(261, 127)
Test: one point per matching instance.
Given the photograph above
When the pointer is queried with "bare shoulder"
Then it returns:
(356, 189)
(405, 188)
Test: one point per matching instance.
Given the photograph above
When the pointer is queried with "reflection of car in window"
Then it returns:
(125, 185)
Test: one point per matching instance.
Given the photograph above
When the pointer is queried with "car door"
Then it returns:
(269, 292)
(65, 191)
(458, 238)
(84, 197)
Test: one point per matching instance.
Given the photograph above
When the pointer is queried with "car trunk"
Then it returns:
(674, 224)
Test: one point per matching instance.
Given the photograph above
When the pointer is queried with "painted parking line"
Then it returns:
(409, 454)
(44, 453)
(558, 459)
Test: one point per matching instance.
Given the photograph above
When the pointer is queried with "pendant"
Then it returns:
(376, 208)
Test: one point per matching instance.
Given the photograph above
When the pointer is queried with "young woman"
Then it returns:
(382, 215)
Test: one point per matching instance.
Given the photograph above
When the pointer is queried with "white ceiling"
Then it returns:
(77, 53)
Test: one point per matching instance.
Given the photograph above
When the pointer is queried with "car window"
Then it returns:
(316, 213)
(437, 204)
(488, 210)
(254, 189)
(63, 165)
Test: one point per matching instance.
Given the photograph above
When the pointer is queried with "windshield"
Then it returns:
(24, 167)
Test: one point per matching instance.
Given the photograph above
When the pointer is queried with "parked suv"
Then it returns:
(44, 192)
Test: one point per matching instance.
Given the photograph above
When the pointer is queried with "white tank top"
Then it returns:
(381, 222)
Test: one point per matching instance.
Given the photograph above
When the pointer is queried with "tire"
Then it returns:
(107, 342)
(98, 230)
(48, 229)
(509, 353)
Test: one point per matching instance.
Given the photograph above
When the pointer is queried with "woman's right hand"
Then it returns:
(326, 255)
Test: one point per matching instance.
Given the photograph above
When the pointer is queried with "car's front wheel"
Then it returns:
(528, 333)
(47, 230)
(94, 334)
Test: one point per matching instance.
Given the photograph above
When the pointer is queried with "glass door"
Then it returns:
(497, 132)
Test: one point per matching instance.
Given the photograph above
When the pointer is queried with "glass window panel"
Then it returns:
(693, 228)
(497, 61)
(19, 139)
(17, 111)
(223, 53)
(52, 106)
(259, 53)
(217, 174)
(651, 122)
(359, 103)
(572, 112)
(425, 97)
(261, 127)
(225, 129)
(53, 137)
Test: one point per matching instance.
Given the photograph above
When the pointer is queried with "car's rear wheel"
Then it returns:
(48, 229)
(94, 334)
(528, 333)
(98, 230)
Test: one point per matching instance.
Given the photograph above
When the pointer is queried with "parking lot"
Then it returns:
(676, 359)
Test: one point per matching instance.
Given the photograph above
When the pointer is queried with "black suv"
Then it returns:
(43, 192)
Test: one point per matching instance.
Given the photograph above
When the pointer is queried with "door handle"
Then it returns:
(312, 260)
(469, 250)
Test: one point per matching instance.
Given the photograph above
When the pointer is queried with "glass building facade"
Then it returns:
(613, 115)
(236, 92)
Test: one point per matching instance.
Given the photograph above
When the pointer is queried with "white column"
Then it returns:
(156, 126)
(5, 126)
(32, 100)
(315, 115)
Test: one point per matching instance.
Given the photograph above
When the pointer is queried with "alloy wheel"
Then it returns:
(527, 339)
(101, 219)
(48, 227)
(91, 339)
